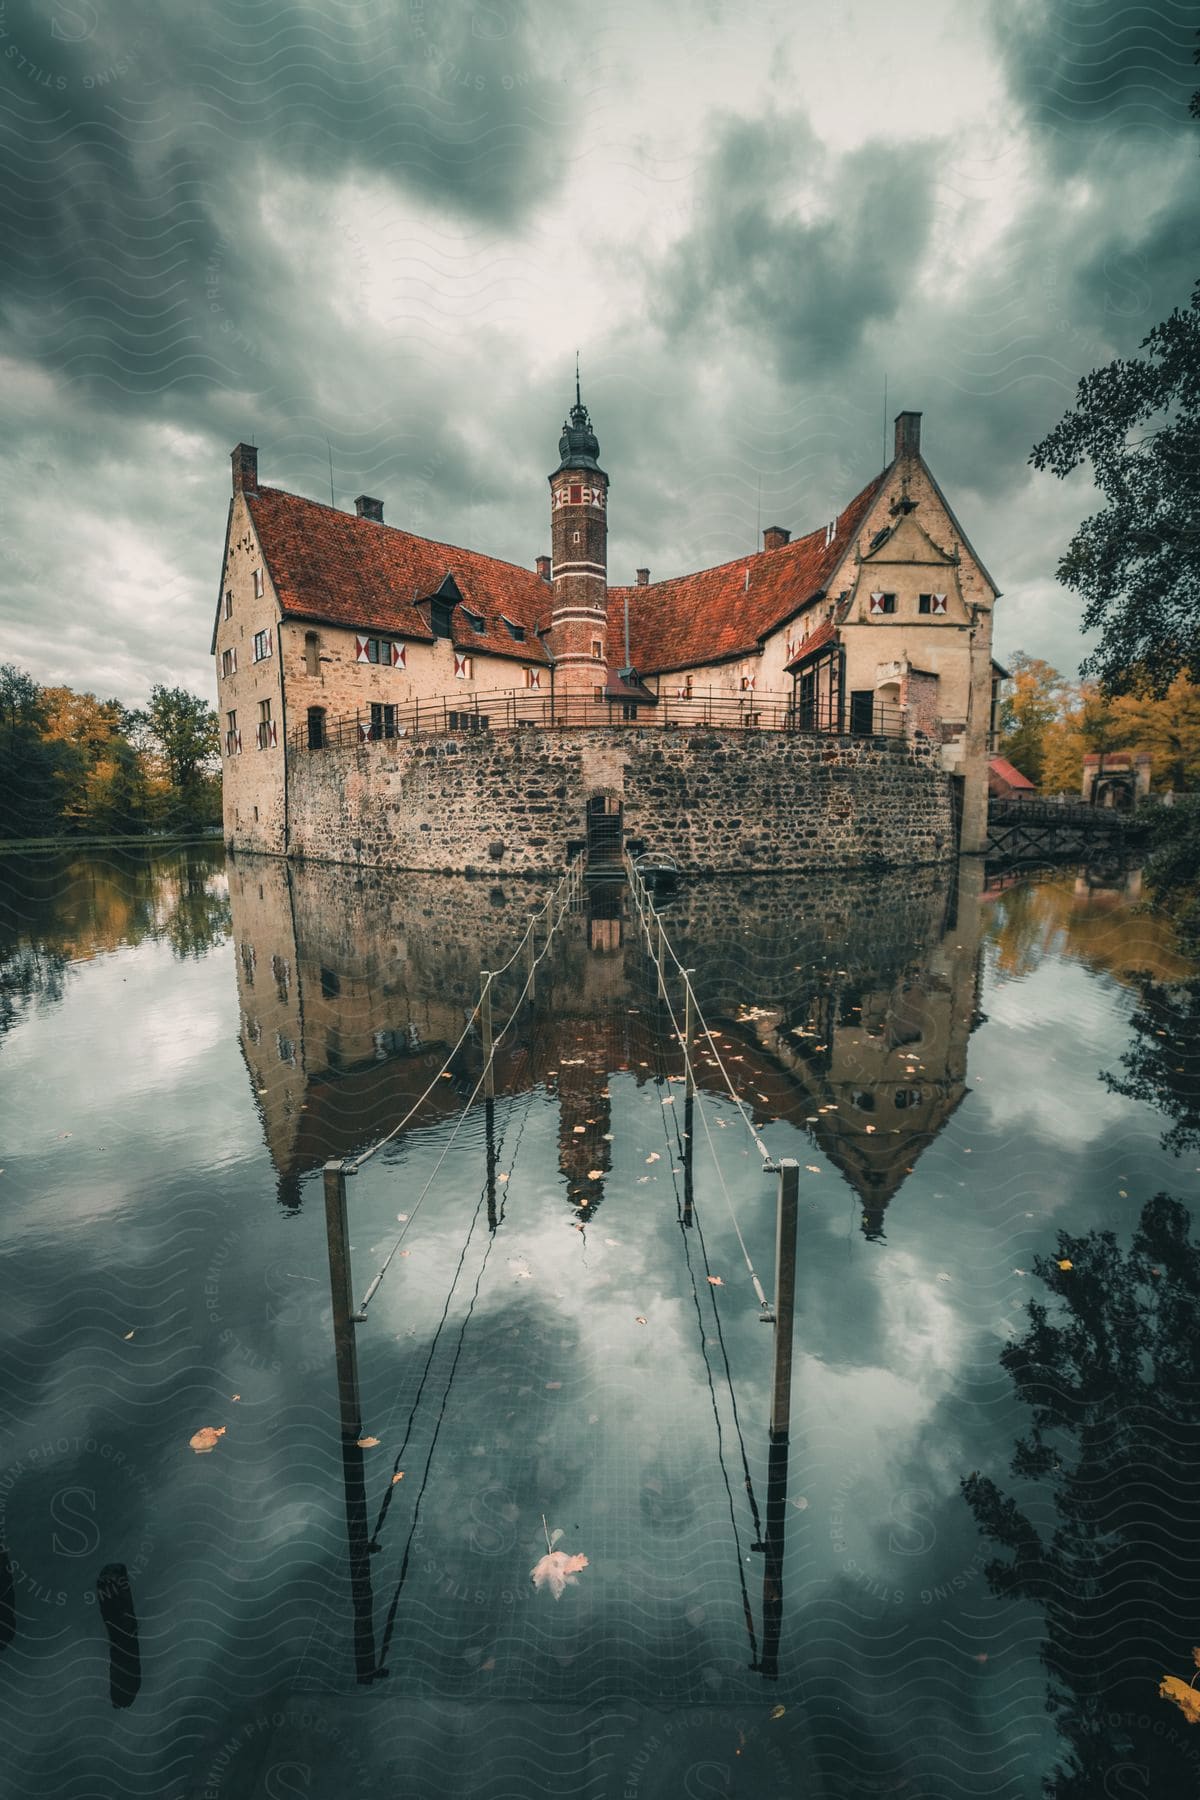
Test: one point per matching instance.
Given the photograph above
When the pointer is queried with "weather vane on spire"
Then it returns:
(578, 401)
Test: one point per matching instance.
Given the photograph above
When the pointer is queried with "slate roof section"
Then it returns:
(342, 570)
(716, 614)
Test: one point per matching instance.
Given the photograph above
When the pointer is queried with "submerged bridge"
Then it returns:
(686, 1042)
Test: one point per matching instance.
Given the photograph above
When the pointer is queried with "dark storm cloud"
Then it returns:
(139, 148)
(1081, 68)
(802, 249)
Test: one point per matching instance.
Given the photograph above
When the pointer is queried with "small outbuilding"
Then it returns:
(1005, 782)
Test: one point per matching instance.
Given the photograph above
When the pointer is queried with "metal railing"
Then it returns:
(527, 709)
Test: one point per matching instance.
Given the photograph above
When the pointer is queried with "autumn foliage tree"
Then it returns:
(70, 762)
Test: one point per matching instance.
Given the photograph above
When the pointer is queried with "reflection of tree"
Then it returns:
(61, 910)
(1163, 1063)
(1084, 915)
(28, 972)
(198, 917)
(1112, 1375)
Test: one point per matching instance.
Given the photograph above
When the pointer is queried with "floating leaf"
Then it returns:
(128, 1335)
(367, 1443)
(595, 1175)
(206, 1439)
(715, 1281)
(235, 1396)
(813, 1168)
(502, 1178)
(1173, 1687)
(1065, 1263)
(579, 1130)
(557, 1571)
(942, 1275)
(670, 1100)
(653, 1157)
(398, 1476)
(777, 1712)
(639, 1320)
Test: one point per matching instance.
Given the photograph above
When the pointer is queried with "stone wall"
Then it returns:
(717, 801)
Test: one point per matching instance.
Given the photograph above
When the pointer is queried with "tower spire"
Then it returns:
(578, 401)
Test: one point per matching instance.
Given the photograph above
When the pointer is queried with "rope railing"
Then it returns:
(570, 882)
(504, 709)
(563, 896)
(684, 1037)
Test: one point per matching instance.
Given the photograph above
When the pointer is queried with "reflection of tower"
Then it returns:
(579, 541)
(584, 1112)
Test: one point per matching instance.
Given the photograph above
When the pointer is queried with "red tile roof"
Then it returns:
(825, 633)
(341, 569)
(1009, 774)
(716, 613)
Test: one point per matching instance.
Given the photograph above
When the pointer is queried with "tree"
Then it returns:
(35, 772)
(1169, 729)
(104, 789)
(1027, 711)
(184, 728)
(1136, 563)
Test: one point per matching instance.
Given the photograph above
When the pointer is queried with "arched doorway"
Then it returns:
(605, 832)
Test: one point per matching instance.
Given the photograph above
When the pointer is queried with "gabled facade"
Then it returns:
(879, 622)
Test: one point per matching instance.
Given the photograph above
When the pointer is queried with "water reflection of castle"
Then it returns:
(842, 1003)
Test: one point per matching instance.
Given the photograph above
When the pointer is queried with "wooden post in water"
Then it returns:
(781, 1410)
(342, 1297)
(489, 1114)
(689, 1082)
(485, 1031)
(785, 1294)
(350, 1408)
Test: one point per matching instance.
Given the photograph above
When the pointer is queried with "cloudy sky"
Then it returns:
(378, 230)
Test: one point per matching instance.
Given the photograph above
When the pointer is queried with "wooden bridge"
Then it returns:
(1042, 830)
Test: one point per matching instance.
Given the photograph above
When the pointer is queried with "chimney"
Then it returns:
(245, 469)
(908, 434)
(542, 564)
(643, 577)
(366, 508)
(775, 537)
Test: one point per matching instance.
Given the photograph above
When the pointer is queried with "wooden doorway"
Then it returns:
(605, 833)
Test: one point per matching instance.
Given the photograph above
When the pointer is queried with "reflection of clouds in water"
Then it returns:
(123, 1031)
(1035, 1065)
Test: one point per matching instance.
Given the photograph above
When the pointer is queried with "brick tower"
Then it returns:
(579, 570)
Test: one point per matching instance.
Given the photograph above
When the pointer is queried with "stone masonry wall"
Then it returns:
(717, 801)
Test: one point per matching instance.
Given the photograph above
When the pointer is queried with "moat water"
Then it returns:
(966, 1570)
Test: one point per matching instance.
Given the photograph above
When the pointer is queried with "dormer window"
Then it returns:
(475, 620)
(439, 617)
(516, 632)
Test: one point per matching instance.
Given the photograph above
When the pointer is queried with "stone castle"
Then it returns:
(385, 698)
